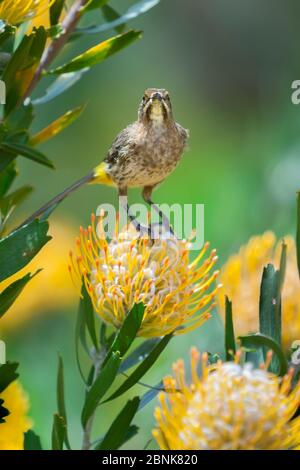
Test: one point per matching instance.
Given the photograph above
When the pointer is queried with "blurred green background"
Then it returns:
(228, 67)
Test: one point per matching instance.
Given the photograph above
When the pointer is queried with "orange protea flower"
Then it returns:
(131, 269)
(241, 278)
(17, 422)
(18, 11)
(230, 407)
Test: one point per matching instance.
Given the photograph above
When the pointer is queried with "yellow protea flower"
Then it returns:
(229, 407)
(17, 422)
(18, 11)
(51, 290)
(241, 278)
(131, 269)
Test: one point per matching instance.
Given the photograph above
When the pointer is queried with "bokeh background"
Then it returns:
(228, 67)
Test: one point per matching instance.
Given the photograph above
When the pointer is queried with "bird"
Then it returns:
(142, 155)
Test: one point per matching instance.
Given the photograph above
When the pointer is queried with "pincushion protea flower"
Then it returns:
(241, 278)
(18, 11)
(17, 422)
(131, 269)
(230, 407)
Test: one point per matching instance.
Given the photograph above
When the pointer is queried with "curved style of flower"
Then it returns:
(230, 407)
(241, 278)
(17, 422)
(15, 12)
(177, 293)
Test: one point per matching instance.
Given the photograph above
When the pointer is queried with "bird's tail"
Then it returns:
(98, 175)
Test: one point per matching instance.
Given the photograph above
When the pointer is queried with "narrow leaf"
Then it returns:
(133, 12)
(267, 343)
(12, 292)
(150, 395)
(7, 178)
(16, 149)
(141, 370)
(94, 4)
(100, 386)
(60, 394)
(127, 332)
(60, 85)
(14, 199)
(98, 53)
(270, 306)
(55, 11)
(139, 354)
(110, 14)
(32, 441)
(58, 432)
(20, 246)
(229, 331)
(116, 435)
(57, 126)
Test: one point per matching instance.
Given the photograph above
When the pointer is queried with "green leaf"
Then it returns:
(32, 441)
(94, 4)
(298, 232)
(14, 199)
(127, 332)
(98, 53)
(150, 395)
(266, 343)
(133, 12)
(58, 432)
(116, 435)
(87, 314)
(132, 431)
(20, 119)
(269, 313)
(16, 149)
(7, 374)
(60, 395)
(110, 14)
(12, 292)
(55, 11)
(6, 159)
(141, 370)
(229, 331)
(21, 67)
(7, 178)
(57, 126)
(100, 386)
(20, 246)
(60, 85)
(139, 354)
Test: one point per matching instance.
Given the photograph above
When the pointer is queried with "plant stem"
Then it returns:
(68, 25)
(98, 361)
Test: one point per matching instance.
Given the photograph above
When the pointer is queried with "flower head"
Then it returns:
(131, 269)
(230, 407)
(241, 279)
(17, 422)
(18, 11)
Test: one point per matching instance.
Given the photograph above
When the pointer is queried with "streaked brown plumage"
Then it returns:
(142, 155)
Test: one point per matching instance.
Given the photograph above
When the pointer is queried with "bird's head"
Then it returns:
(155, 106)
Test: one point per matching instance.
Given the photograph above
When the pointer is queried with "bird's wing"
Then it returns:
(123, 145)
(184, 133)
